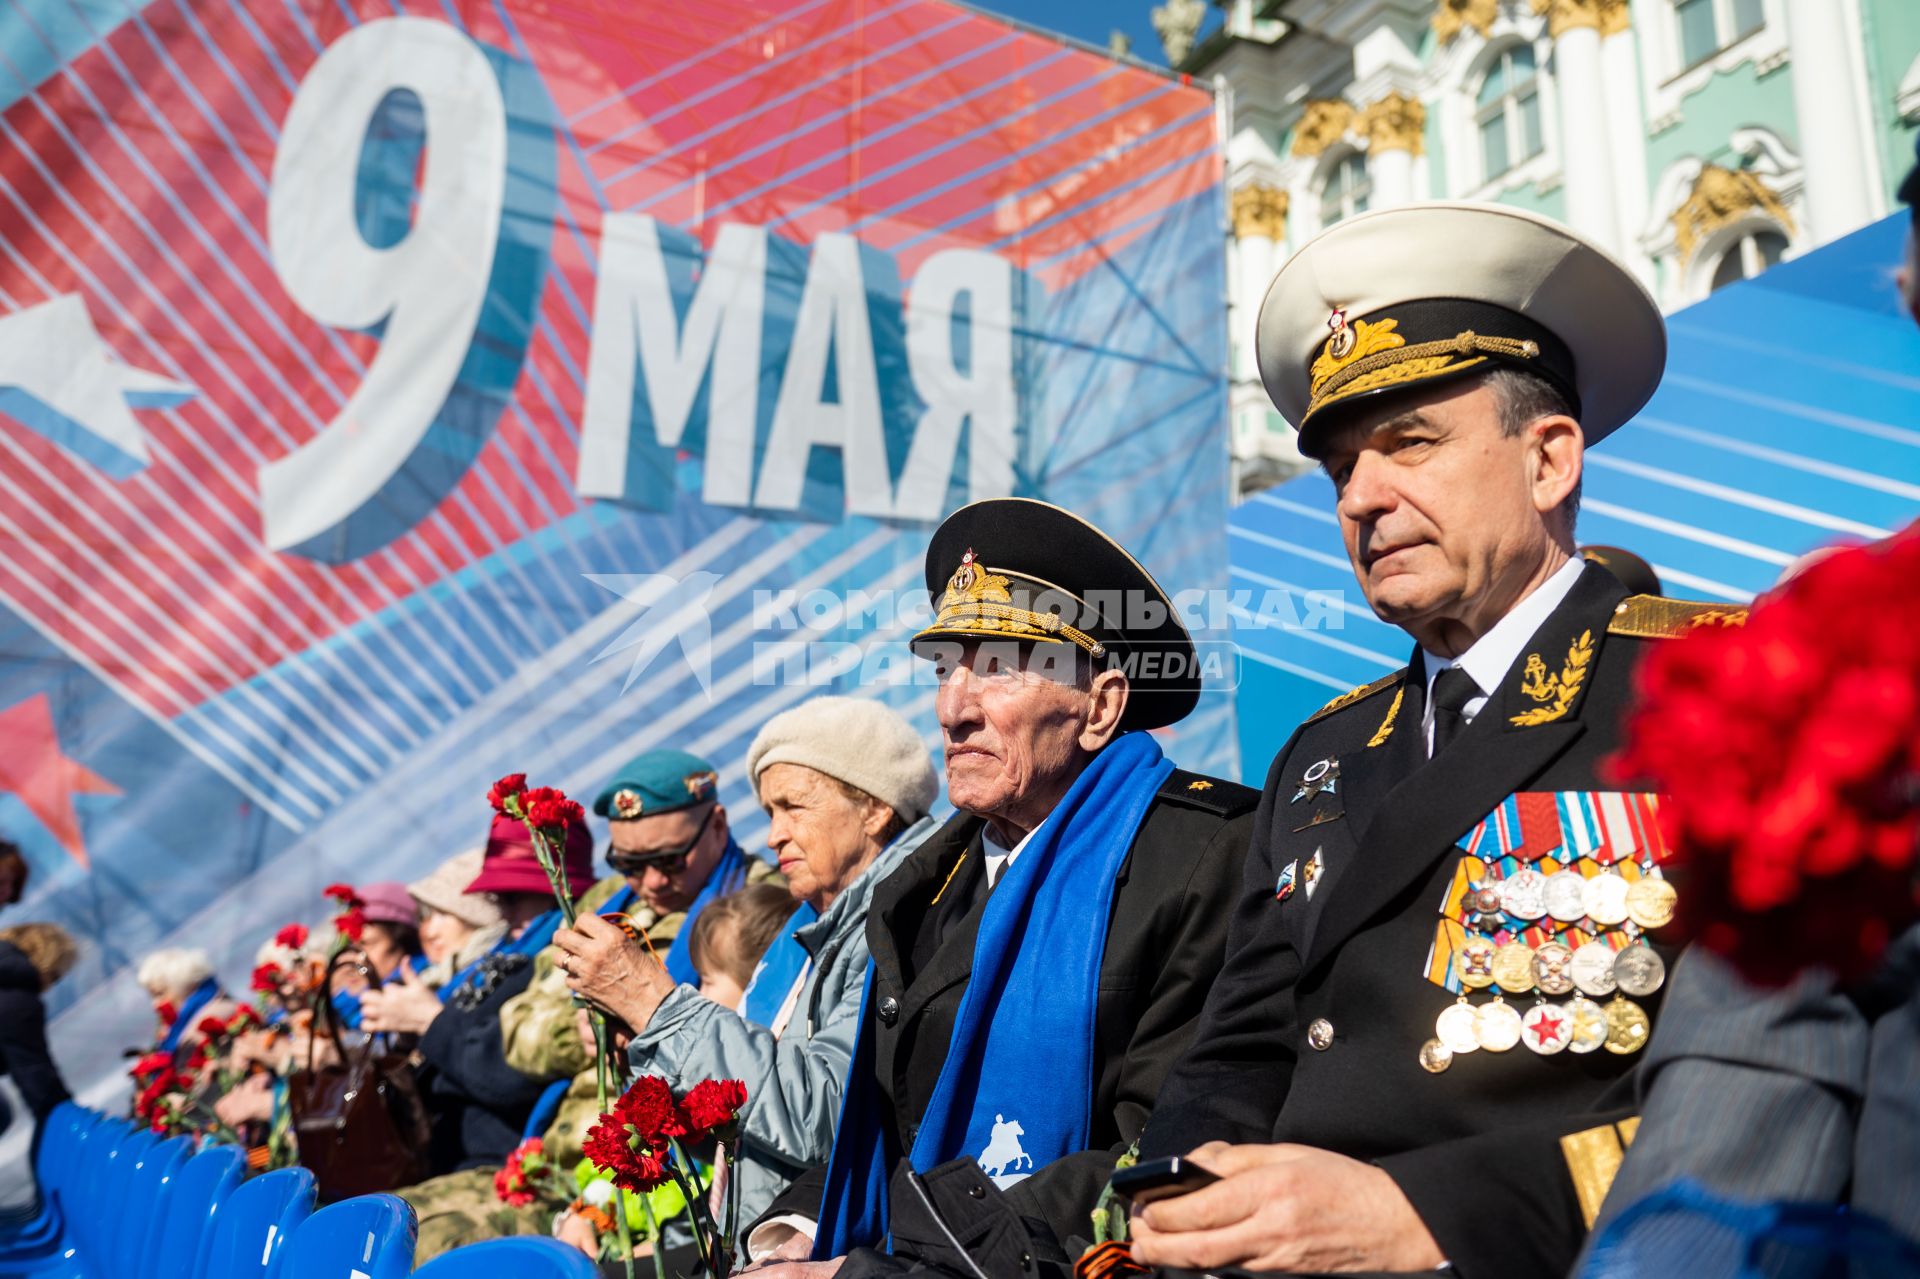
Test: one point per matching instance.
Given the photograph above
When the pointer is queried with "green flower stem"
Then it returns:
(706, 1235)
(601, 1065)
(653, 1228)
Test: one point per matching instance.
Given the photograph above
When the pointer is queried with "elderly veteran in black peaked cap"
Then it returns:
(1039, 962)
(1436, 972)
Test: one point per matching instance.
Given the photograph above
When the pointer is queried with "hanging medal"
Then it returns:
(1524, 894)
(1627, 1026)
(1639, 971)
(1546, 1029)
(1588, 1027)
(1593, 968)
(1605, 896)
(1565, 895)
(1454, 1028)
(1651, 902)
(1496, 1026)
(1552, 969)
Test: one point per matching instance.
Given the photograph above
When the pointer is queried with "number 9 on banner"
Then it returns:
(451, 290)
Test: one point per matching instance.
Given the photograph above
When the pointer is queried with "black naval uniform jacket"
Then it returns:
(1163, 951)
(1313, 1034)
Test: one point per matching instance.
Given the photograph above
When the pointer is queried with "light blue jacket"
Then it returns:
(794, 1081)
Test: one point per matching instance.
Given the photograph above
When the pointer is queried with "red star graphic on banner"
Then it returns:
(33, 770)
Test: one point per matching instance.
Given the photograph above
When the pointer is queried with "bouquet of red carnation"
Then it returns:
(351, 922)
(643, 1142)
(528, 1175)
(1788, 752)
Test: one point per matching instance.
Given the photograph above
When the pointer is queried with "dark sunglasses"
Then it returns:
(668, 861)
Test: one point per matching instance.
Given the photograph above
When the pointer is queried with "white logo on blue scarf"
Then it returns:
(1003, 1152)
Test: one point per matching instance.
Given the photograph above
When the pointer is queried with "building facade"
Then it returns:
(1699, 140)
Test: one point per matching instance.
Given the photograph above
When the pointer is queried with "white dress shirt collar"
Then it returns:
(1489, 658)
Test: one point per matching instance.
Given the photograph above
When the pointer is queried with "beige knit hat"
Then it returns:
(852, 740)
(446, 890)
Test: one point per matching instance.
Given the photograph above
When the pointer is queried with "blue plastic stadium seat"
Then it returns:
(134, 1215)
(108, 1180)
(523, 1257)
(183, 1229)
(31, 1234)
(250, 1230)
(371, 1235)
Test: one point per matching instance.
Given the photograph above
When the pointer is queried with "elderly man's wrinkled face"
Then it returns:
(821, 836)
(668, 856)
(1444, 516)
(1017, 727)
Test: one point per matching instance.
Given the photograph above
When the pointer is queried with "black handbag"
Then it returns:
(360, 1124)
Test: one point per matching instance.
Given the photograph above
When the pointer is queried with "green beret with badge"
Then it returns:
(655, 782)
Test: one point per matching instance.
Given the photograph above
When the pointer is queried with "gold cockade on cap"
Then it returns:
(979, 599)
(1372, 354)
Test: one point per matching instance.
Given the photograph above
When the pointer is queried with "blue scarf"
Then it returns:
(779, 969)
(729, 875)
(203, 994)
(1016, 1089)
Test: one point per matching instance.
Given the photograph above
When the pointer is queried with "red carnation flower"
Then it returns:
(712, 1104)
(351, 923)
(167, 1012)
(266, 979)
(1787, 751)
(548, 808)
(151, 1064)
(293, 936)
(342, 893)
(243, 1019)
(632, 1141)
(211, 1026)
(505, 790)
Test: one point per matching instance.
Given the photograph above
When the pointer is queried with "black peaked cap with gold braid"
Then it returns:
(1013, 568)
(1425, 294)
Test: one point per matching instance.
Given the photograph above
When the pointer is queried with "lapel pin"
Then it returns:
(1321, 775)
(1284, 889)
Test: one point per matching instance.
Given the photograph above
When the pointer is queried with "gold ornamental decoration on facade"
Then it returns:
(1323, 122)
(1608, 17)
(1259, 209)
(1395, 123)
(1453, 15)
(1721, 197)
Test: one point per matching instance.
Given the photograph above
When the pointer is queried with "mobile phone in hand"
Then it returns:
(1155, 1179)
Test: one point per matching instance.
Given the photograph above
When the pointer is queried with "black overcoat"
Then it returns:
(1314, 1032)
(1165, 942)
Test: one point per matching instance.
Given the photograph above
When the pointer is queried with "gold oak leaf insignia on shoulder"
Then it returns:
(1656, 617)
(1359, 694)
(1209, 794)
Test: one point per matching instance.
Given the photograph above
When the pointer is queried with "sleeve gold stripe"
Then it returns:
(1593, 1158)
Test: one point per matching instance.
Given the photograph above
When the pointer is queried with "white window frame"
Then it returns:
(1669, 80)
(1336, 159)
(1456, 76)
(1508, 107)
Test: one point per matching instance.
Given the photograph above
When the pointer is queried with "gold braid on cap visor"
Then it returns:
(1373, 356)
(979, 599)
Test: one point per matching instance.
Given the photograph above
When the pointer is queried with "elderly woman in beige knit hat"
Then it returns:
(848, 784)
(456, 926)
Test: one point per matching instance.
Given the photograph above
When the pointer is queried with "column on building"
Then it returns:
(1626, 133)
(1395, 128)
(1259, 212)
(1587, 154)
(1834, 138)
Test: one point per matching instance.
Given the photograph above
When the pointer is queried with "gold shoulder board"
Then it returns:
(1359, 694)
(1654, 617)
